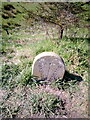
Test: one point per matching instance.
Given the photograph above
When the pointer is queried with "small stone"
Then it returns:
(48, 66)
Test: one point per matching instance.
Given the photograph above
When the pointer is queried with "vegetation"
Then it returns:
(25, 35)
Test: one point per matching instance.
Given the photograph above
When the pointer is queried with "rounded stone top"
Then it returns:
(48, 66)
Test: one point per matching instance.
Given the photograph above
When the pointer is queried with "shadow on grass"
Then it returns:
(70, 76)
(78, 39)
(69, 80)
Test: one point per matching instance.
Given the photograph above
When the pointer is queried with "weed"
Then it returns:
(45, 104)
(26, 77)
(9, 72)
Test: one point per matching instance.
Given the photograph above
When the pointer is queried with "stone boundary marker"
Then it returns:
(48, 66)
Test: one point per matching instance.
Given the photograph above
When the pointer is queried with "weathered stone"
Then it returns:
(48, 66)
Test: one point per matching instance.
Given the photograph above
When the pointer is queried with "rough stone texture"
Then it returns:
(48, 66)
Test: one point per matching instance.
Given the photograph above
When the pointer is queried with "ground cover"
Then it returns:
(22, 96)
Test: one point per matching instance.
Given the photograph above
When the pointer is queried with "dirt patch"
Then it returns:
(2, 94)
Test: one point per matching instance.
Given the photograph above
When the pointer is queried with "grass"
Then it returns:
(45, 104)
(37, 104)
(70, 49)
(16, 15)
(19, 83)
(9, 72)
(21, 95)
